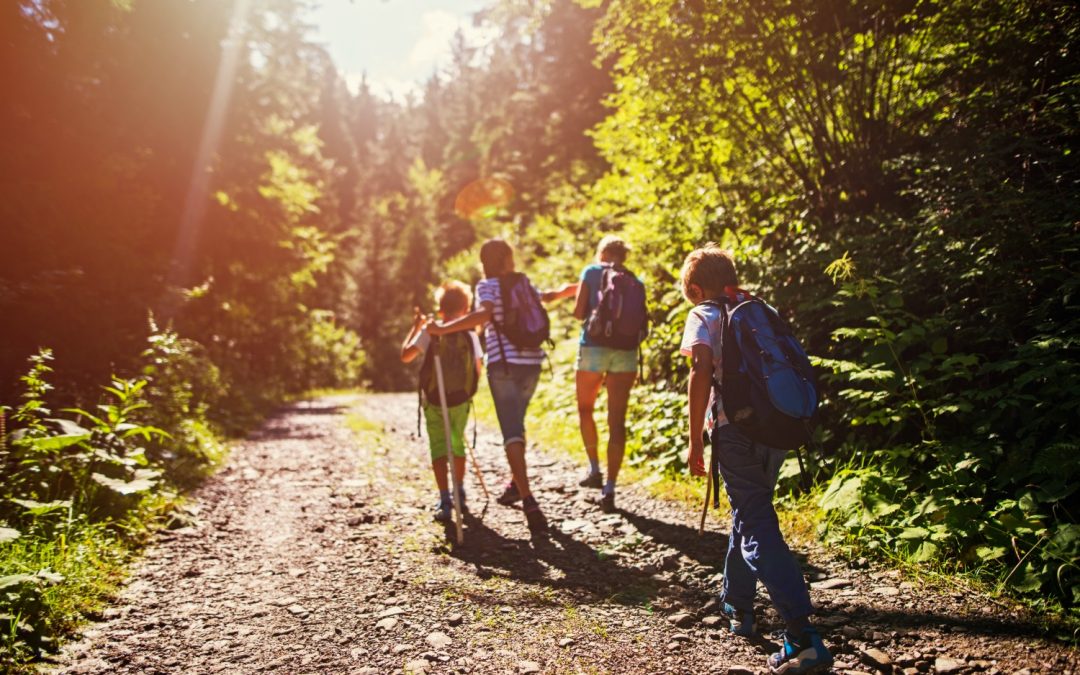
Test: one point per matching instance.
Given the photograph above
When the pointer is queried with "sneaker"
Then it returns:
(607, 503)
(535, 517)
(740, 623)
(510, 495)
(805, 655)
(592, 480)
(444, 511)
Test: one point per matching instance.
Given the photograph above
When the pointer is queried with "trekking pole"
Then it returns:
(456, 480)
(708, 488)
(479, 477)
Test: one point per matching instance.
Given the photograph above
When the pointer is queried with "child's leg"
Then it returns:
(588, 388)
(511, 388)
(433, 422)
(750, 472)
(740, 585)
(459, 418)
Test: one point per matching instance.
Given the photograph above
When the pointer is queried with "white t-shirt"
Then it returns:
(488, 291)
(703, 328)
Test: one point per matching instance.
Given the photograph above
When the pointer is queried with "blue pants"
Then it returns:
(512, 386)
(756, 549)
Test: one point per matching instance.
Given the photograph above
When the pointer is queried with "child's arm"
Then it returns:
(698, 390)
(466, 322)
(558, 294)
(409, 350)
(581, 304)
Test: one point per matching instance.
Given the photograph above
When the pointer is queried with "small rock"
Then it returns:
(388, 623)
(566, 642)
(680, 637)
(297, 610)
(740, 670)
(417, 666)
(831, 584)
(877, 658)
(401, 649)
(682, 619)
(910, 670)
(850, 632)
(357, 652)
(391, 611)
(943, 664)
(887, 591)
(524, 667)
(455, 620)
(712, 621)
(439, 640)
(353, 521)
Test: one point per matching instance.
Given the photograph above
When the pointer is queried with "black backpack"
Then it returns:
(767, 388)
(620, 319)
(458, 360)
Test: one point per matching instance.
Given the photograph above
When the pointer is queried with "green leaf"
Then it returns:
(138, 484)
(52, 443)
(17, 580)
(42, 508)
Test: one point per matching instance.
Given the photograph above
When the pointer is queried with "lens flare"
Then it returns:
(483, 197)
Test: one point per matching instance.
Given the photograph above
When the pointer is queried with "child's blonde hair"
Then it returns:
(454, 298)
(613, 249)
(711, 268)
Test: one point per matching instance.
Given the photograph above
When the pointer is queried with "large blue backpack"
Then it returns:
(767, 386)
(620, 319)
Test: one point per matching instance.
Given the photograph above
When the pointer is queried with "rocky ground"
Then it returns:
(313, 551)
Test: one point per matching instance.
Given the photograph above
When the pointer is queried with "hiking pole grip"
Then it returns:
(455, 479)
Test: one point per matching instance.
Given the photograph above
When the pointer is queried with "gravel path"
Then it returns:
(313, 551)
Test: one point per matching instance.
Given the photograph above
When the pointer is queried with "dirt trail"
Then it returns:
(314, 552)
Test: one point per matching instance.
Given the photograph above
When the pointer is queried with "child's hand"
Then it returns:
(696, 458)
(419, 319)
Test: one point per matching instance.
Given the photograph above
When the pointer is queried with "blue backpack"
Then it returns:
(525, 321)
(767, 386)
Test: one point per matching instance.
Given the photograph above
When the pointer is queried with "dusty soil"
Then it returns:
(314, 551)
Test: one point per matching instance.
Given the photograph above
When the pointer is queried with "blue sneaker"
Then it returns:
(741, 623)
(444, 511)
(806, 654)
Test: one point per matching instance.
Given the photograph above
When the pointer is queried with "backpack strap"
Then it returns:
(499, 336)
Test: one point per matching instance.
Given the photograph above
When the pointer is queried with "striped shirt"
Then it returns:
(487, 291)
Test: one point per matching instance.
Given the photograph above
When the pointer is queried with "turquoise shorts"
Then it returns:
(606, 360)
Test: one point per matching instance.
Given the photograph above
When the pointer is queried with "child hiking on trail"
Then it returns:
(756, 548)
(611, 307)
(516, 326)
(460, 358)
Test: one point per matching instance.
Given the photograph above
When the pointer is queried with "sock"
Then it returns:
(444, 495)
(461, 493)
(594, 466)
(797, 629)
(609, 487)
(529, 503)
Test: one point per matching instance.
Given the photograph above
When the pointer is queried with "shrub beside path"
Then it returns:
(313, 551)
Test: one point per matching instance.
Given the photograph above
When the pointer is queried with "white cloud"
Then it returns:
(439, 27)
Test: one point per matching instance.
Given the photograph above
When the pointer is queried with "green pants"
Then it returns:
(459, 415)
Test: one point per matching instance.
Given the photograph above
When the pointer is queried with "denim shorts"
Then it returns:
(512, 386)
(606, 360)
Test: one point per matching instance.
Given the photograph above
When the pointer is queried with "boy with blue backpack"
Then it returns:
(751, 388)
(515, 328)
(459, 357)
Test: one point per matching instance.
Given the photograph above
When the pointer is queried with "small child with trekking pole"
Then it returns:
(752, 388)
(516, 326)
(448, 380)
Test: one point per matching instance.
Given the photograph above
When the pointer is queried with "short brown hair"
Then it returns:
(494, 255)
(710, 267)
(453, 297)
(613, 248)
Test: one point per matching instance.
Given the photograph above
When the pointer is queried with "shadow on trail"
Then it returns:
(900, 620)
(531, 561)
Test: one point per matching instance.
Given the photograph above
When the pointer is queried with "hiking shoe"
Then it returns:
(510, 495)
(741, 623)
(444, 511)
(804, 655)
(535, 517)
(607, 503)
(592, 480)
